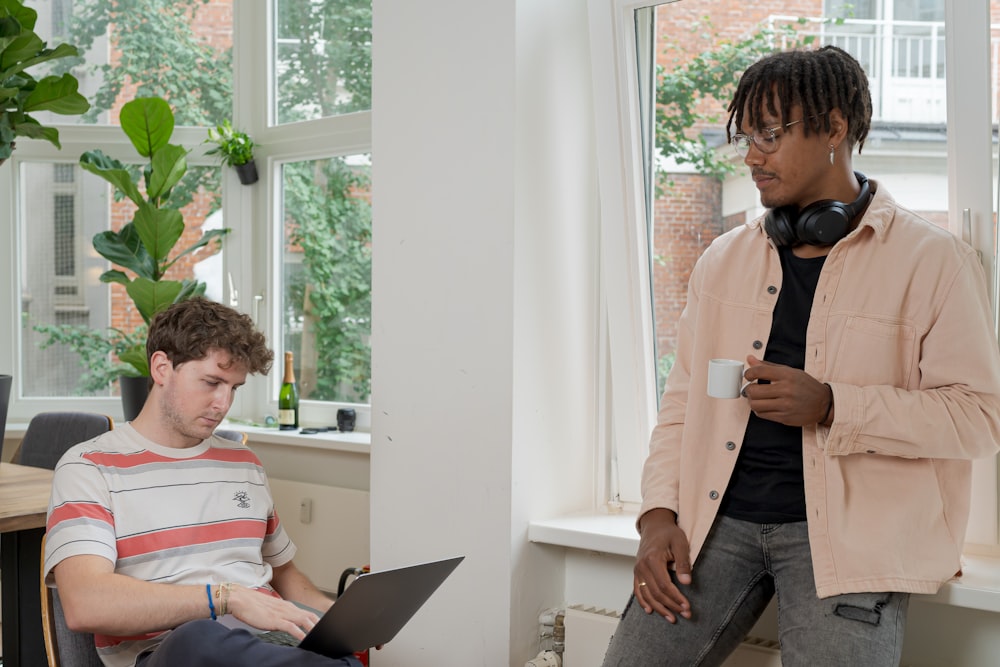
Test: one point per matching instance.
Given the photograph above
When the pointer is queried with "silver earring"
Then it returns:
(831, 153)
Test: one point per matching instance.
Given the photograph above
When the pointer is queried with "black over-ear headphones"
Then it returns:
(821, 223)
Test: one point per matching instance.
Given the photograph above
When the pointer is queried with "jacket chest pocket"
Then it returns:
(875, 352)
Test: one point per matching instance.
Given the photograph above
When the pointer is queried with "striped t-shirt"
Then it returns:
(202, 515)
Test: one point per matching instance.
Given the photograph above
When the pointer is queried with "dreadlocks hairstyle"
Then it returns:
(819, 80)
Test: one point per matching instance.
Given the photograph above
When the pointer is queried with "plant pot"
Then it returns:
(134, 391)
(247, 172)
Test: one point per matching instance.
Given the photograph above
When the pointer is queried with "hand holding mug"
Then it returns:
(725, 378)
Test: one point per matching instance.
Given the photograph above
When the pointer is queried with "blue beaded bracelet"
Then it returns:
(211, 607)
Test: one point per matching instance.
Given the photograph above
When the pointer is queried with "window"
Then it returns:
(326, 276)
(322, 64)
(312, 201)
(695, 189)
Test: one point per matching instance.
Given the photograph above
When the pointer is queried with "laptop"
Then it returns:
(371, 611)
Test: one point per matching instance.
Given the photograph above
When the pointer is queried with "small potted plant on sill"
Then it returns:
(20, 92)
(234, 148)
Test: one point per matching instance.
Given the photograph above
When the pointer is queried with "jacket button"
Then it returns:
(757, 345)
(771, 289)
(714, 495)
(730, 445)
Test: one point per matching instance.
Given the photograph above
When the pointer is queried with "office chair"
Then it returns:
(48, 436)
(236, 436)
(63, 647)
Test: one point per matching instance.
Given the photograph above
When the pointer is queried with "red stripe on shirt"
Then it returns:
(125, 461)
(71, 510)
(186, 536)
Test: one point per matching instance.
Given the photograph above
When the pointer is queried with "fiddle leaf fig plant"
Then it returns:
(143, 247)
(20, 92)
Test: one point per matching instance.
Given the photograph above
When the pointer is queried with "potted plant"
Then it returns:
(234, 148)
(144, 247)
(20, 92)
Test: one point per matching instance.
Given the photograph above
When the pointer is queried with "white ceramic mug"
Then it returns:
(725, 378)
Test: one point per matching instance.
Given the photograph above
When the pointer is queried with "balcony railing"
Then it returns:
(904, 61)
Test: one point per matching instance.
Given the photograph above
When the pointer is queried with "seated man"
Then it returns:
(160, 526)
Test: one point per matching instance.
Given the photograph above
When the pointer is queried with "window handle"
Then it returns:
(234, 296)
(257, 299)
(967, 234)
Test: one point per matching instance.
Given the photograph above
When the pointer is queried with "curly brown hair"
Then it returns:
(819, 80)
(188, 330)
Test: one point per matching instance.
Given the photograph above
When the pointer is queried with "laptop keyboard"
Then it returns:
(279, 637)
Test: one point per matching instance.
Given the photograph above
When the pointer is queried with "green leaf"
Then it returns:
(113, 171)
(114, 276)
(124, 248)
(58, 95)
(159, 229)
(206, 238)
(135, 356)
(29, 127)
(191, 288)
(19, 53)
(169, 165)
(148, 122)
(25, 16)
(151, 296)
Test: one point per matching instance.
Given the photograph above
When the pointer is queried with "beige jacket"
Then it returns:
(901, 329)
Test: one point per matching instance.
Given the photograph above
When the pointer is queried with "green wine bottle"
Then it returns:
(288, 398)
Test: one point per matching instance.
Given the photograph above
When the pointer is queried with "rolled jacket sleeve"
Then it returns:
(949, 408)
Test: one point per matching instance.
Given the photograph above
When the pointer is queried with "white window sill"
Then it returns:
(977, 588)
(353, 441)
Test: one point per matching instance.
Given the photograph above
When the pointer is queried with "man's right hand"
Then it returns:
(267, 612)
(661, 543)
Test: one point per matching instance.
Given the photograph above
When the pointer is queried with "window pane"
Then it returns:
(180, 50)
(326, 276)
(65, 310)
(322, 61)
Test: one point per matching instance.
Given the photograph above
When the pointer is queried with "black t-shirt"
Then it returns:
(767, 485)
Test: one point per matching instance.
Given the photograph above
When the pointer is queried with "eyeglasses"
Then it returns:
(765, 139)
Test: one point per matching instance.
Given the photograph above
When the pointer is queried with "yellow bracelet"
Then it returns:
(225, 589)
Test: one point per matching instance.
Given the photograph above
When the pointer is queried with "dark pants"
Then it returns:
(207, 643)
(742, 566)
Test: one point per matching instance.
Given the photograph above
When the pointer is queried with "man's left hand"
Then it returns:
(789, 396)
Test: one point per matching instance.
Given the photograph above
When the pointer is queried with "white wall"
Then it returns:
(484, 310)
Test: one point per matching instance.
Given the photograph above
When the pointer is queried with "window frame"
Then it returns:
(251, 212)
(321, 138)
(629, 388)
(627, 331)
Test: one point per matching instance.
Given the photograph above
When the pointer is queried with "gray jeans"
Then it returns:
(741, 567)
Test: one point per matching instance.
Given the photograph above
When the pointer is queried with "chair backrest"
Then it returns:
(50, 434)
(236, 436)
(63, 647)
(5, 384)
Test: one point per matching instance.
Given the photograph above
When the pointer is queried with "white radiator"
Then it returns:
(588, 631)
(329, 525)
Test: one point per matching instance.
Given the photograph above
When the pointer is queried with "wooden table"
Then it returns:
(24, 501)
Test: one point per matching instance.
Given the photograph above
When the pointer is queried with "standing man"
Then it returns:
(159, 526)
(840, 481)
